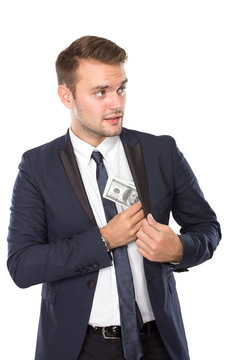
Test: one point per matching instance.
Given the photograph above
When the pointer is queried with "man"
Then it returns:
(108, 285)
(130, 197)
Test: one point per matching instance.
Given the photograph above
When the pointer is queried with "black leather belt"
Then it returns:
(114, 332)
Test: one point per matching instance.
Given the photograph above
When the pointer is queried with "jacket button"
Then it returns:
(91, 284)
(95, 266)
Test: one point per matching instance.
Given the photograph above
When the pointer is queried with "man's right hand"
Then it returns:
(123, 228)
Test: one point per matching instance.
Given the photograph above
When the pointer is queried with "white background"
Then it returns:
(184, 80)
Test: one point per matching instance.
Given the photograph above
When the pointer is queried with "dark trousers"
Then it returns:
(95, 347)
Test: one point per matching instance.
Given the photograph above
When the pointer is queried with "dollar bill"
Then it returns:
(121, 191)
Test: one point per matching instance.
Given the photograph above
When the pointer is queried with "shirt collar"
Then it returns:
(108, 148)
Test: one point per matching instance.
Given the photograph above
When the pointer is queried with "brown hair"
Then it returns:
(86, 47)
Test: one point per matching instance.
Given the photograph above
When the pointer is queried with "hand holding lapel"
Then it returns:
(158, 242)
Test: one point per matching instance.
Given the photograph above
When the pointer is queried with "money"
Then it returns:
(121, 191)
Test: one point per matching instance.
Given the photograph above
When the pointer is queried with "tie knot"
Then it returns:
(97, 157)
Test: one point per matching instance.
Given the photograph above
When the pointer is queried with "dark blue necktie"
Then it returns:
(131, 320)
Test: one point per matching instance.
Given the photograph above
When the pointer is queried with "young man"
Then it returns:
(107, 273)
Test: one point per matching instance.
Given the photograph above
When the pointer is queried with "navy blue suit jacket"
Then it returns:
(54, 239)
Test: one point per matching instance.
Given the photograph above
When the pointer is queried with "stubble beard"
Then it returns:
(100, 131)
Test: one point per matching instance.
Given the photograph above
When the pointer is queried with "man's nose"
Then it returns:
(116, 102)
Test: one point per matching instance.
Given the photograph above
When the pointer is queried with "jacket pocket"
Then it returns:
(49, 294)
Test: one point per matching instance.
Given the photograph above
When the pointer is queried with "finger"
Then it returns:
(156, 225)
(138, 216)
(132, 210)
(145, 244)
(144, 240)
(149, 255)
(137, 227)
(149, 230)
(144, 254)
(144, 222)
(151, 220)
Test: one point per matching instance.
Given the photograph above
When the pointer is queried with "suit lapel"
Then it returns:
(135, 159)
(71, 167)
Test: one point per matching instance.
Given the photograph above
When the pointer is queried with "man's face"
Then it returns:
(99, 102)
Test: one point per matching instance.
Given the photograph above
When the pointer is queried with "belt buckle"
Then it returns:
(104, 329)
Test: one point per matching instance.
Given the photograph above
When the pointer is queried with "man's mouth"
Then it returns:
(113, 119)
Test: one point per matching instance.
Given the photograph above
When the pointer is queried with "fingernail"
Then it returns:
(152, 217)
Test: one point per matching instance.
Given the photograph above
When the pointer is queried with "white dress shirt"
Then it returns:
(105, 307)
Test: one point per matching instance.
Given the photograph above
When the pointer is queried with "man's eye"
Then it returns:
(122, 90)
(100, 93)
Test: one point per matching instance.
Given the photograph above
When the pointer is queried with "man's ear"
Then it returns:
(66, 96)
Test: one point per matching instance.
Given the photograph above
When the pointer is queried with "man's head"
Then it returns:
(86, 48)
(92, 82)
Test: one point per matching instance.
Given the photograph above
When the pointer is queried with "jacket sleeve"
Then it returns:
(31, 258)
(200, 230)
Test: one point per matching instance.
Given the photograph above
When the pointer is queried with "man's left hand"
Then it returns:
(158, 242)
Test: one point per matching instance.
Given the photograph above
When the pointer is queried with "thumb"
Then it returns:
(156, 225)
(151, 220)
